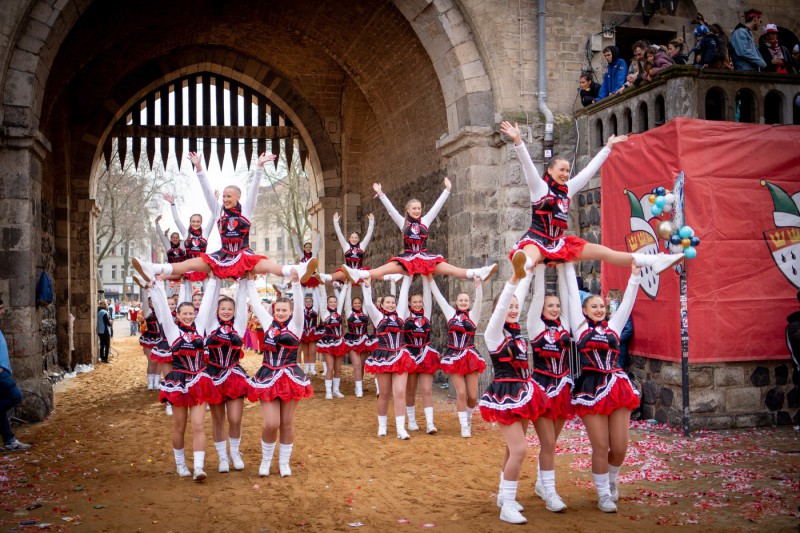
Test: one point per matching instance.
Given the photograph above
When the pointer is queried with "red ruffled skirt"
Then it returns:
(506, 402)
(231, 383)
(567, 248)
(419, 263)
(231, 267)
(388, 362)
(426, 359)
(186, 390)
(160, 353)
(196, 276)
(617, 393)
(462, 362)
(287, 384)
(335, 348)
(359, 343)
(310, 336)
(560, 406)
(149, 341)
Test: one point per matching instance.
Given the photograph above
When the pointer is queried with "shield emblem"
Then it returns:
(784, 245)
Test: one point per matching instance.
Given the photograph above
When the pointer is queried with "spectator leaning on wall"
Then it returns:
(746, 55)
(10, 396)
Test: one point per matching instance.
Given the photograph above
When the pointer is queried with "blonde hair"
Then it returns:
(408, 203)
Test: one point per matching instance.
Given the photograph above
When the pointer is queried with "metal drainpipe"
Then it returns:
(548, 115)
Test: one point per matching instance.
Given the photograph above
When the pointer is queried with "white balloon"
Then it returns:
(667, 208)
(670, 198)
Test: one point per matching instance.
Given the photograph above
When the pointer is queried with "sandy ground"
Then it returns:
(103, 462)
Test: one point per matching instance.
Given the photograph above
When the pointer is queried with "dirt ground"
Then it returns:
(103, 462)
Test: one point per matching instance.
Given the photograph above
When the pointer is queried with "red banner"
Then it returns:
(742, 198)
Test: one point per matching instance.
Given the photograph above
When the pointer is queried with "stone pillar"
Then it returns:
(83, 278)
(330, 256)
(21, 154)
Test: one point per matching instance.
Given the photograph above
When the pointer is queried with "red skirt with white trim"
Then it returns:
(183, 389)
(600, 393)
(426, 358)
(228, 266)
(286, 383)
(462, 362)
(383, 361)
(195, 276)
(231, 382)
(421, 263)
(506, 402)
(567, 248)
(359, 343)
(332, 346)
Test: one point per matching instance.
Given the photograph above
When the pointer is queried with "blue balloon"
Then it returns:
(675, 239)
(661, 191)
(656, 210)
(695, 241)
(685, 232)
(690, 252)
(660, 201)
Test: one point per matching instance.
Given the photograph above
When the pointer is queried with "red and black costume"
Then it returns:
(224, 351)
(417, 331)
(235, 258)
(356, 338)
(551, 369)
(388, 355)
(332, 340)
(187, 384)
(461, 356)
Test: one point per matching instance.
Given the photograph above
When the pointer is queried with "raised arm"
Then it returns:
(206, 320)
(159, 299)
(341, 296)
(369, 306)
(161, 236)
(317, 244)
(563, 295)
(339, 235)
(577, 321)
(523, 290)
(370, 228)
(249, 204)
(212, 221)
(208, 192)
(623, 312)
(240, 319)
(393, 213)
(348, 304)
(579, 181)
(427, 300)
(177, 217)
(494, 334)
(535, 322)
(402, 300)
(296, 324)
(475, 313)
(447, 311)
(261, 312)
(322, 299)
(536, 185)
(430, 216)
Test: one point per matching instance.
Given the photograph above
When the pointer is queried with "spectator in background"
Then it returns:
(133, 318)
(675, 50)
(103, 330)
(796, 59)
(746, 55)
(589, 89)
(639, 48)
(614, 78)
(706, 51)
(582, 289)
(792, 335)
(775, 55)
(724, 48)
(655, 60)
(633, 78)
(10, 396)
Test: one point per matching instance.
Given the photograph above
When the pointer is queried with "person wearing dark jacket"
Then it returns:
(589, 89)
(705, 51)
(103, 330)
(793, 336)
(675, 51)
(614, 78)
(775, 55)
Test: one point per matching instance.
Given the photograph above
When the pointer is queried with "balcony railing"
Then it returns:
(686, 91)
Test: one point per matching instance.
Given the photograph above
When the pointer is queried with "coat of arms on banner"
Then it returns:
(643, 240)
(783, 241)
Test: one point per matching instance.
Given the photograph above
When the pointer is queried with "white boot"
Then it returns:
(509, 511)
(304, 270)
(382, 423)
(613, 472)
(222, 453)
(328, 389)
(521, 263)
(658, 262)
(501, 496)
(284, 456)
(180, 463)
(267, 450)
(465, 430)
(484, 273)
(400, 424)
(412, 418)
(354, 275)
(236, 457)
(359, 389)
(336, 393)
(430, 428)
(604, 500)
(199, 460)
(553, 501)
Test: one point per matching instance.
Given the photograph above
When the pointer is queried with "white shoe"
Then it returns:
(144, 268)
(359, 394)
(510, 514)
(466, 432)
(487, 272)
(263, 470)
(184, 471)
(412, 425)
(236, 458)
(431, 429)
(606, 504)
(329, 396)
(381, 431)
(612, 487)
(337, 394)
(313, 371)
(514, 503)
(169, 409)
(665, 261)
(519, 261)
(286, 471)
(539, 488)
(402, 434)
(199, 474)
(224, 466)
(392, 277)
(353, 275)
(139, 281)
(554, 503)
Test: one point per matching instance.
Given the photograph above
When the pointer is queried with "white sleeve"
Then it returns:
(177, 218)
(536, 185)
(258, 308)
(164, 239)
(579, 181)
(206, 320)
(317, 244)
(240, 319)
(339, 235)
(477, 306)
(146, 305)
(447, 311)
(341, 296)
(563, 295)
(494, 334)
(369, 306)
(427, 301)
(296, 324)
(399, 219)
(348, 302)
(523, 290)
(322, 297)
(430, 216)
(208, 192)
(159, 300)
(212, 221)
(370, 229)
(249, 205)
(402, 300)
(576, 319)
(623, 312)
(535, 322)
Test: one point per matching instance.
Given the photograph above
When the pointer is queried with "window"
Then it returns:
(100, 271)
(745, 106)
(113, 271)
(715, 104)
(661, 111)
(131, 249)
(644, 119)
(122, 249)
(773, 108)
(266, 244)
(98, 249)
(280, 243)
(599, 140)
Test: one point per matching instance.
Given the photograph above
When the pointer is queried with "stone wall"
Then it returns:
(724, 395)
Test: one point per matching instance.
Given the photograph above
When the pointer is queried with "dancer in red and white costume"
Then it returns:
(550, 200)
(225, 326)
(196, 241)
(280, 383)
(416, 311)
(187, 387)
(235, 259)
(512, 400)
(353, 248)
(358, 342)
(308, 252)
(415, 258)
(461, 360)
(331, 345)
(603, 395)
(310, 336)
(148, 340)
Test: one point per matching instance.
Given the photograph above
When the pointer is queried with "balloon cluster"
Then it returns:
(681, 238)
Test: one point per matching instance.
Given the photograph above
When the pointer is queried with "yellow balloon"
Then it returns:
(686, 242)
(664, 229)
(652, 198)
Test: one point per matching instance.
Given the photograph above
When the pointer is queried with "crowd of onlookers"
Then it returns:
(713, 49)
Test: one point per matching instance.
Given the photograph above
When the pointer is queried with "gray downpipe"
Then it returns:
(548, 115)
